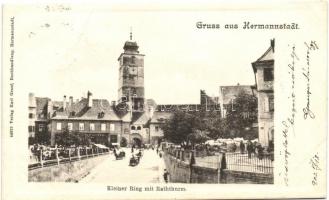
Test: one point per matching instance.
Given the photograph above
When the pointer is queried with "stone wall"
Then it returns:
(204, 175)
(67, 172)
(182, 172)
(228, 176)
(179, 170)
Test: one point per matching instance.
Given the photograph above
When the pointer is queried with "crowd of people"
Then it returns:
(252, 148)
(46, 152)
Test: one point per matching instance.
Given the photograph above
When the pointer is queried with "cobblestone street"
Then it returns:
(149, 170)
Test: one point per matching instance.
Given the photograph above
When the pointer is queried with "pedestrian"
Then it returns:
(132, 149)
(157, 150)
(242, 147)
(166, 175)
(260, 150)
(160, 154)
(270, 146)
(234, 147)
(249, 148)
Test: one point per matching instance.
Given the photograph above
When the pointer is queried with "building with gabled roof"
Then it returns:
(263, 69)
(136, 119)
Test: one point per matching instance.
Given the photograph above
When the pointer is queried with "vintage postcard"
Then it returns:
(137, 100)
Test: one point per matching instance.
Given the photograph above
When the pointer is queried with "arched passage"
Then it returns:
(137, 142)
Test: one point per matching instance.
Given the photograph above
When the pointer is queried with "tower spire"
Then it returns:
(131, 33)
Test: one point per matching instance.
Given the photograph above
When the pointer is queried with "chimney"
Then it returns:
(32, 101)
(273, 43)
(90, 99)
(64, 102)
(70, 102)
(151, 111)
(50, 108)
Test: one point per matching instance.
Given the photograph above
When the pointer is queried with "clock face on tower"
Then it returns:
(133, 70)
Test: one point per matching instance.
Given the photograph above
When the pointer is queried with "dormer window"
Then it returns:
(101, 114)
(133, 128)
(123, 99)
(72, 114)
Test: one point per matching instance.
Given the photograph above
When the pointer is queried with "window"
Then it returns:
(30, 115)
(101, 114)
(70, 126)
(232, 105)
(112, 127)
(139, 128)
(59, 126)
(81, 126)
(31, 128)
(125, 60)
(41, 127)
(92, 127)
(113, 138)
(133, 128)
(103, 127)
(156, 128)
(266, 104)
(271, 103)
(268, 74)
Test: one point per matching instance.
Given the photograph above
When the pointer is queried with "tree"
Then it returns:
(179, 126)
(75, 138)
(197, 137)
(187, 127)
(43, 137)
(243, 116)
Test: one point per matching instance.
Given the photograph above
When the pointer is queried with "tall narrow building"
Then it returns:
(264, 76)
(131, 76)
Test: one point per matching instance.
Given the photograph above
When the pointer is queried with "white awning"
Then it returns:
(101, 146)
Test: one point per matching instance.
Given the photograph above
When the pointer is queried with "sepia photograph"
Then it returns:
(226, 137)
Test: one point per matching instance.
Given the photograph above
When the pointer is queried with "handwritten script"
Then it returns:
(315, 162)
(288, 123)
(312, 46)
(290, 120)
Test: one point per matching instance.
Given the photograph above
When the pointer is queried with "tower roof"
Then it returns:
(130, 46)
(267, 57)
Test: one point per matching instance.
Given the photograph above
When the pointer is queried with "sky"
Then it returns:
(70, 51)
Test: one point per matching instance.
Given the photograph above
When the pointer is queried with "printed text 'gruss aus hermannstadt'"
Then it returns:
(247, 25)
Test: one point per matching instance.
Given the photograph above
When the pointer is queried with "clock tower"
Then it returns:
(131, 76)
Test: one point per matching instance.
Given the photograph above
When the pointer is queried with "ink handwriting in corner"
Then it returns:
(315, 162)
(310, 47)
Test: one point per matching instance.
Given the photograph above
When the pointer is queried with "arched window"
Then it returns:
(139, 128)
(133, 128)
